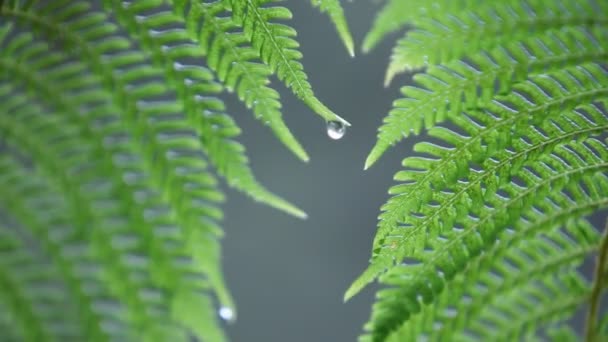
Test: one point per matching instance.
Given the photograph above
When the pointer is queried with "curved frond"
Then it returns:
(69, 77)
(505, 269)
(62, 154)
(110, 120)
(486, 134)
(446, 89)
(441, 251)
(36, 302)
(65, 246)
(196, 92)
(485, 228)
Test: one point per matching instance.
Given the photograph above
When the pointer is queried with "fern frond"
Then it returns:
(129, 273)
(35, 304)
(472, 243)
(69, 77)
(104, 142)
(518, 314)
(170, 155)
(278, 49)
(503, 269)
(448, 251)
(226, 54)
(44, 217)
(487, 26)
(445, 90)
(169, 49)
(236, 65)
(333, 8)
(416, 228)
(484, 135)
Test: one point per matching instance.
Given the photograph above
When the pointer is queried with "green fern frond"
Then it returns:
(63, 154)
(69, 77)
(63, 242)
(234, 63)
(278, 49)
(489, 25)
(486, 134)
(447, 252)
(196, 92)
(484, 231)
(108, 123)
(112, 134)
(333, 8)
(445, 90)
(489, 278)
(32, 295)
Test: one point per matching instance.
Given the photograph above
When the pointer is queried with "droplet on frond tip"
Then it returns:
(227, 314)
(336, 129)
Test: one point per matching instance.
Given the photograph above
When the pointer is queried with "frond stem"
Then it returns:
(598, 285)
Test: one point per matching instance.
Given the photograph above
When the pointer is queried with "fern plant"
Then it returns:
(111, 137)
(486, 230)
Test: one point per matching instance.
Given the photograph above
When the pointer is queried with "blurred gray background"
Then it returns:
(288, 276)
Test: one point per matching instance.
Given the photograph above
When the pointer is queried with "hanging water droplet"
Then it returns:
(227, 314)
(335, 129)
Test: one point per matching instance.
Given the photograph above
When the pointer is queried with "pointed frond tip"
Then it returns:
(375, 154)
(334, 9)
(281, 204)
(368, 276)
(278, 49)
(235, 63)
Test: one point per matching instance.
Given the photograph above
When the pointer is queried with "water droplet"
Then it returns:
(227, 314)
(335, 129)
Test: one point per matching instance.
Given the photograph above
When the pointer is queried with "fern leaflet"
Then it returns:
(336, 13)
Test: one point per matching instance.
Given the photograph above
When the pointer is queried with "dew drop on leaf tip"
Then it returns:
(227, 314)
(336, 129)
